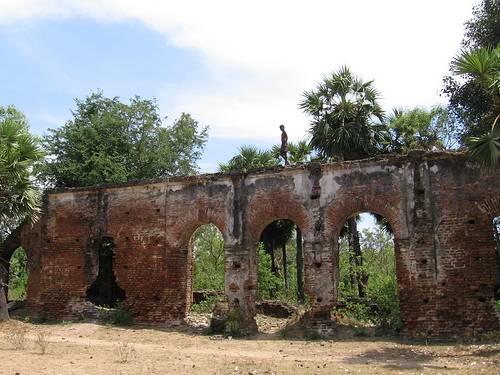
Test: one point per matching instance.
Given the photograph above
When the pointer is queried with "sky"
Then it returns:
(239, 67)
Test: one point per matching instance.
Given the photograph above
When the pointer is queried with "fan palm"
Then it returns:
(19, 198)
(483, 64)
(248, 158)
(344, 110)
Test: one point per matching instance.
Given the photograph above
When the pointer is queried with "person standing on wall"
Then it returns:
(284, 145)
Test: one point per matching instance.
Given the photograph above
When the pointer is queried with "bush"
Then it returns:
(233, 323)
(120, 315)
(205, 306)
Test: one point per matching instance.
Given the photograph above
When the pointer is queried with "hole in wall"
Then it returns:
(105, 291)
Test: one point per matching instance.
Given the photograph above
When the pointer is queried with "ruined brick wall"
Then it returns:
(439, 206)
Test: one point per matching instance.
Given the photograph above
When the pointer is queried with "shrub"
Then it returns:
(121, 315)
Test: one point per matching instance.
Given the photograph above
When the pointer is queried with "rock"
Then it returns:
(219, 317)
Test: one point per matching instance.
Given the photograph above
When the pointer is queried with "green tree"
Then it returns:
(249, 157)
(483, 66)
(346, 124)
(19, 197)
(424, 129)
(469, 100)
(110, 141)
(208, 252)
(344, 111)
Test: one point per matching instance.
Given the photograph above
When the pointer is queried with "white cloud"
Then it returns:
(263, 54)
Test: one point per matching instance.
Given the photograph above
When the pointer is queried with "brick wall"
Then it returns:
(440, 207)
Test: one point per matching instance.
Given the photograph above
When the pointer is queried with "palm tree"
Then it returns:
(347, 124)
(19, 197)
(248, 157)
(483, 65)
(343, 110)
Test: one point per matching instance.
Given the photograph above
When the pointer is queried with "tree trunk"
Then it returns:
(285, 269)
(496, 224)
(300, 265)
(274, 269)
(4, 312)
(357, 256)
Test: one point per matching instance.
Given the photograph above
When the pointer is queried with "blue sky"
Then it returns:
(236, 67)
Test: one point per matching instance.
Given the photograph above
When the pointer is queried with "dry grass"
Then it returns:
(125, 351)
(41, 342)
(17, 337)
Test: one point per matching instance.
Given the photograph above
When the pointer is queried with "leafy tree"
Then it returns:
(109, 141)
(469, 100)
(248, 158)
(425, 129)
(19, 198)
(347, 124)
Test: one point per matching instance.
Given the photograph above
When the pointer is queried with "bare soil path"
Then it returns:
(86, 348)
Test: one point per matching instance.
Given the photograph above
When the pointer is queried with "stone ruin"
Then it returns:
(440, 207)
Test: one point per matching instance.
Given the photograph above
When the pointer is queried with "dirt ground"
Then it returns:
(88, 348)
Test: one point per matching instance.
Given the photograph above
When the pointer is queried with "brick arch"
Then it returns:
(262, 211)
(339, 211)
(187, 231)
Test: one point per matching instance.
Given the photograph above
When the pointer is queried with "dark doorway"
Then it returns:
(105, 291)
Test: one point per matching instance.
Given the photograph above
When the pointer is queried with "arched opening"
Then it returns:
(207, 270)
(105, 291)
(280, 273)
(367, 287)
(18, 276)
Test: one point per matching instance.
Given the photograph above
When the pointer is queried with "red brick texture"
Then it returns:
(440, 207)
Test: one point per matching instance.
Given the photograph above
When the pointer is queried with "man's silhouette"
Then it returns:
(284, 144)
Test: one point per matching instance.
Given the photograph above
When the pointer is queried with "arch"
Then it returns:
(338, 212)
(262, 211)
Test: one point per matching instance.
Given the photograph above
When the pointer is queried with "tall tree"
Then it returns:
(469, 100)
(346, 124)
(19, 197)
(483, 66)
(110, 141)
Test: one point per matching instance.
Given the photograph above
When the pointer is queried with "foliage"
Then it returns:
(269, 283)
(20, 154)
(120, 315)
(299, 153)
(424, 129)
(381, 306)
(109, 141)
(484, 28)
(470, 101)
(233, 323)
(483, 65)
(248, 158)
(208, 252)
(343, 110)
(205, 306)
(18, 275)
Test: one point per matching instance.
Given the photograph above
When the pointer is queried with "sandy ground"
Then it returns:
(86, 348)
